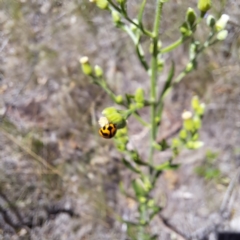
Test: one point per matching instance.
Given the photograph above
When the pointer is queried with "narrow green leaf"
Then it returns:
(156, 210)
(166, 166)
(130, 223)
(140, 162)
(156, 175)
(140, 14)
(139, 95)
(194, 144)
(130, 166)
(169, 80)
(138, 188)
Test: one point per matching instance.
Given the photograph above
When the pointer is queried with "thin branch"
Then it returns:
(203, 232)
(30, 152)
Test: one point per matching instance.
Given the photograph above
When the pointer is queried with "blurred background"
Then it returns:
(58, 178)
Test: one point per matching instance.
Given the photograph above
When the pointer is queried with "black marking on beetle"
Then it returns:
(110, 128)
(104, 134)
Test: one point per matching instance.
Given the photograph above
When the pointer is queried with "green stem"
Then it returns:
(114, 5)
(103, 84)
(137, 116)
(205, 45)
(123, 12)
(139, 49)
(173, 45)
(140, 14)
(154, 75)
(180, 76)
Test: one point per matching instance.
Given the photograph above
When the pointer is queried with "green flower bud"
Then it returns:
(221, 22)
(121, 132)
(201, 109)
(124, 140)
(194, 145)
(175, 143)
(121, 136)
(116, 17)
(121, 1)
(142, 199)
(157, 120)
(109, 110)
(119, 99)
(190, 145)
(188, 124)
(103, 4)
(197, 122)
(132, 106)
(86, 67)
(98, 71)
(189, 67)
(157, 146)
(204, 6)
(139, 95)
(139, 105)
(195, 103)
(210, 21)
(195, 137)
(117, 119)
(185, 31)
(191, 17)
(222, 35)
(121, 147)
(114, 117)
(183, 134)
(150, 203)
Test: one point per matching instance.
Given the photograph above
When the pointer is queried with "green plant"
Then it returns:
(207, 169)
(144, 183)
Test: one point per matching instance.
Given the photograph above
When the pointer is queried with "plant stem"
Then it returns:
(154, 75)
(173, 45)
(125, 15)
(140, 15)
(139, 50)
(180, 77)
(103, 84)
(137, 116)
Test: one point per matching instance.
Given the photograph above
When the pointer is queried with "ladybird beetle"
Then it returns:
(108, 131)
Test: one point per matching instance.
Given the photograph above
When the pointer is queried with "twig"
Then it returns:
(171, 228)
(203, 232)
(229, 192)
(31, 153)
